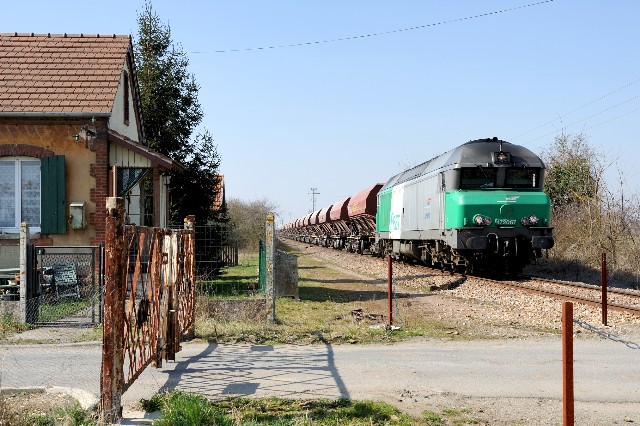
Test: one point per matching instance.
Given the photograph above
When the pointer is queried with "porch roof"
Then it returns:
(155, 158)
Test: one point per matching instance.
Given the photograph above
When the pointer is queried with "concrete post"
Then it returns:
(24, 238)
(270, 243)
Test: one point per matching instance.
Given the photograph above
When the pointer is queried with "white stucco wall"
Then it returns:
(116, 122)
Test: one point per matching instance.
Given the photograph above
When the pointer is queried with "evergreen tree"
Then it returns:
(188, 189)
(171, 113)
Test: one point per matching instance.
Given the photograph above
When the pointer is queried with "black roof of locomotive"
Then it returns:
(471, 154)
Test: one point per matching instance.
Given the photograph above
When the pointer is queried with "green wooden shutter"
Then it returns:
(53, 204)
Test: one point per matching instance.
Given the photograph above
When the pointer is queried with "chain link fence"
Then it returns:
(65, 285)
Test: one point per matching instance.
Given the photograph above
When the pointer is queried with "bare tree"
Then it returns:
(590, 218)
(247, 219)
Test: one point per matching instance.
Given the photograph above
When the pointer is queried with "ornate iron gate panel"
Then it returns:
(149, 300)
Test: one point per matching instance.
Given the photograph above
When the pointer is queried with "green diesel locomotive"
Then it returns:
(480, 206)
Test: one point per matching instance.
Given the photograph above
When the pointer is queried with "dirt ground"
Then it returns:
(14, 405)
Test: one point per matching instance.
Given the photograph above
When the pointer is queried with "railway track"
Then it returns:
(595, 300)
(590, 294)
(632, 295)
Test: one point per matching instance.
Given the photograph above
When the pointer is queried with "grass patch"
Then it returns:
(178, 408)
(324, 312)
(8, 323)
(8, 326)
(235, 281)
(61, 309)
(72, 416)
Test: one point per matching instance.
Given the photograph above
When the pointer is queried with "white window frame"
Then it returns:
(18, 196)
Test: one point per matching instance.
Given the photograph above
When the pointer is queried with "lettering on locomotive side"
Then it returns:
(427, 208)
(512, 199)
(394, 225)
(505, 221)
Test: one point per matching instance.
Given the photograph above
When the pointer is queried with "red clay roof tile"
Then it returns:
(60, 73)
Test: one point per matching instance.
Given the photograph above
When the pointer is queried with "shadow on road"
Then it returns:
(259, 371)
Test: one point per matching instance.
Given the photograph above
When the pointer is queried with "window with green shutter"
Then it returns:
(54, 194)
(19, 193)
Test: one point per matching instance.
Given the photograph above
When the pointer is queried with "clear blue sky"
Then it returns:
(342, 115)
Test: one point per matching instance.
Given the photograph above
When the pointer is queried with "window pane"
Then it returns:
(522, 178)
(30, 184)
(478, 178)
(7, 193)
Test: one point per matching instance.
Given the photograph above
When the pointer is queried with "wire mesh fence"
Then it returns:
(64, 285)
(215, 249)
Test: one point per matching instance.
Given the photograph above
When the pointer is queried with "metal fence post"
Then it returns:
(270, 249)
(390, 291)
(112, 374)
(567, 364)
(603, 282)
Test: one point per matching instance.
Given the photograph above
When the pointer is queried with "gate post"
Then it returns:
(112, 374)
(190, 273)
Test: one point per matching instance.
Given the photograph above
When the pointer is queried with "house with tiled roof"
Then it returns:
(71, 135)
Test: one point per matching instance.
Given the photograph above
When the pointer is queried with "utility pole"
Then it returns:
(313, 198)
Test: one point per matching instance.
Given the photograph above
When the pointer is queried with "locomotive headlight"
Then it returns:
(481, 220)
(502, 157)
(530, 220)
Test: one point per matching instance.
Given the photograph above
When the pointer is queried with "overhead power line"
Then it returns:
(383, 33)
(595, 115)
(560, 117)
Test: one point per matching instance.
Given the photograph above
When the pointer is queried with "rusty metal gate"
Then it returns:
(64, 285)
(149, 300)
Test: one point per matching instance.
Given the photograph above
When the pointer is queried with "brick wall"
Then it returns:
(100, 172)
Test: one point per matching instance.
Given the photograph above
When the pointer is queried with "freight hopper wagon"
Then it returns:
(361, 211)
(348, 224)
(478, 206)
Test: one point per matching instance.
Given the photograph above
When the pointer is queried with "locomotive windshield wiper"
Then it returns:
(487, 175)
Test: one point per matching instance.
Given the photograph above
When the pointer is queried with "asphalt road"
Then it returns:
(413, 375)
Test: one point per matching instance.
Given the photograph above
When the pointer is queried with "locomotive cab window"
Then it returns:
(478, 178)
(522, 178)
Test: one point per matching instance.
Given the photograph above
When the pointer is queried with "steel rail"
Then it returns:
(626, 292)
(563, 296)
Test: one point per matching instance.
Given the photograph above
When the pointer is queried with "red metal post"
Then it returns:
(390, 291)
(567, 364)
(603, 281)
